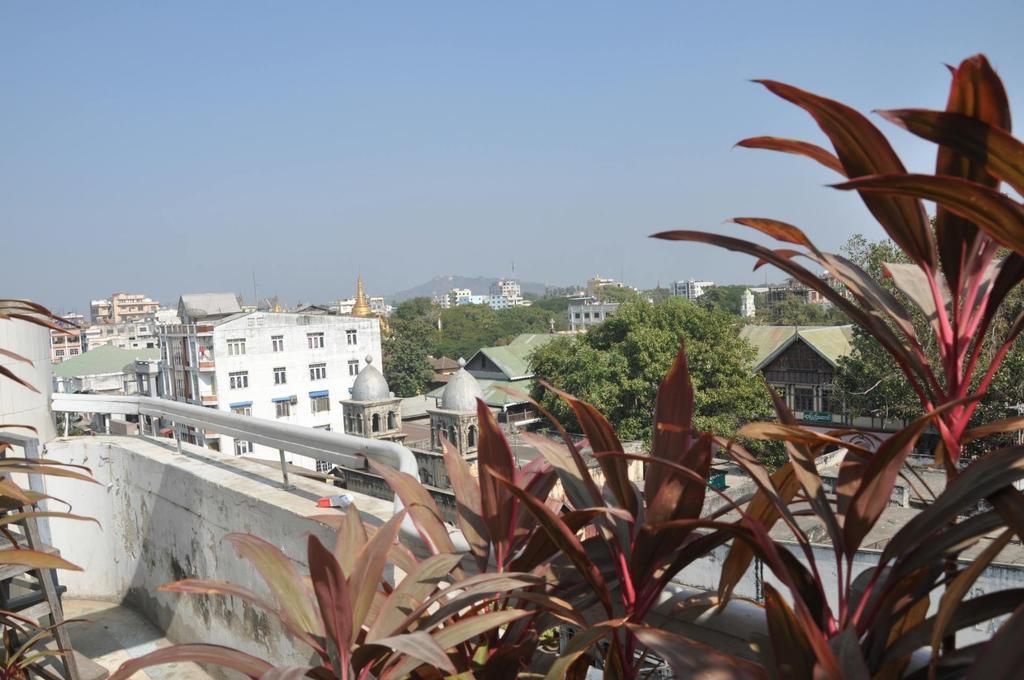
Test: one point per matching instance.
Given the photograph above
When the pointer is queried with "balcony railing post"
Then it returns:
(284, 469)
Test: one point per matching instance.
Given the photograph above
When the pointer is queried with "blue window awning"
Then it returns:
(319, 393)
(240, 404)
(279, 399)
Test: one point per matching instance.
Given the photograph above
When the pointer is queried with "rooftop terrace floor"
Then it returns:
(112, 635)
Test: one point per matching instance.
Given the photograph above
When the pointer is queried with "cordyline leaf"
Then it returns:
(216, 655)
(468, 506)
(794, 434)
(980, 479)
(566, 540)
(11, 490)
(228, 589)
(335, 600)
(880, 474)
(603, 438)
(795, 146)
(970, 613)
(281, 577)
(913, 282)
(35, 558)
(1000, 217)
(994, 427)
(370, 570)
(792, 653)
(863, 150)
(9, 374)
(540, 547)
(579, 487)
(291, 673)
(21, 516)
(781, 231)
(691, 659)
(993, 150)
(875, 298)
(912, 364)
(410, 593)
(420, 505)
(976, 95)
(16, 356)
(351, 539)
(673, 420)
(762, 508)
(16, 466)
(416, 648)
(1003, 655)
(578, 645)
(961, 584)
(495, 461)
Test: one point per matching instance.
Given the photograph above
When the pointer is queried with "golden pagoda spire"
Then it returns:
(361, 307)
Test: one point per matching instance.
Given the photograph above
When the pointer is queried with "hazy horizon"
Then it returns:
(174, 148)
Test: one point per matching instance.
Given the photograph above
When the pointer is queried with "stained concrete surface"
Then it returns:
(112, 635)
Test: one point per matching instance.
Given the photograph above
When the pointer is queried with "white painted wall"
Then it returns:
(260, 361)
(19, 404)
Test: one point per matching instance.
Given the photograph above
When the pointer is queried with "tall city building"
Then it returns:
(291, 367)
(690, 289)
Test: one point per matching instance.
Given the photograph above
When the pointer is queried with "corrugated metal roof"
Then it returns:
(103, 360)
(831, 342)
(202, 305)
(513, 359)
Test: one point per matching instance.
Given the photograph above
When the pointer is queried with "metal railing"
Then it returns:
(343, 450)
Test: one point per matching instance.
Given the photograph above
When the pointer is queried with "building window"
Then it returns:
(392, 420)
(586, 315)
(238, 380)
(317, 371)
(72, 352)
(236, 347)
(242, 448)
(242, 410)
(351, 337)
(280, 376)
(277, 343)
(471, 436)
(323, 466)
(315, 340)
(803, 399)
(375, 423)
(319, 404)
(283, 409)
(353, 367)
(59, 352)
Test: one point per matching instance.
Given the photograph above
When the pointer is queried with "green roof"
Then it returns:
(102, 360)
(493, 395)
(513, 359)
(831, 342)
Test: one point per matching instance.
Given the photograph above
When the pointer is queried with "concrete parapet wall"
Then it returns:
(164, 517)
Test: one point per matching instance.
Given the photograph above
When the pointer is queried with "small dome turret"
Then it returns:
(370, 384)
(462, 391)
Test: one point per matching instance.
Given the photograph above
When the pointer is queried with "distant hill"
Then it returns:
(480, 285)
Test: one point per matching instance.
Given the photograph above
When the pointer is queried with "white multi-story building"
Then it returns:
(589, 312)
(294, 368)
(140, 334)
(508, 288)
(690, 289)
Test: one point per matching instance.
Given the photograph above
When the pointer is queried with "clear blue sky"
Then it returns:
(172, 147)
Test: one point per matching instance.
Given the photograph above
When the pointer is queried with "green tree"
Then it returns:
(727, 298)
(618, 365)
(412, 337)
(795, 311)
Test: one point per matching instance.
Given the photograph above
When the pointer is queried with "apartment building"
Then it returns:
(122, 308)
(69, 342)
(290, 367)
(589, 312)
(139, 334)
(690, 289)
